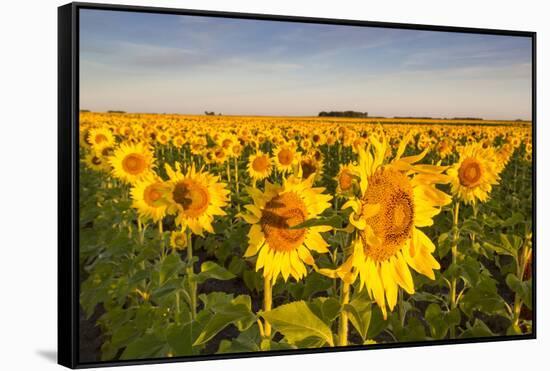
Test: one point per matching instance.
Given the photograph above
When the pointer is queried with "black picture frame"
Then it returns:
(68, 178)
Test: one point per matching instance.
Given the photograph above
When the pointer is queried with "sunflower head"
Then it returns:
(285, 157)
(281, 249)
(259, 166)
(131, 162)
(178, 240)
(397, 198)
(475, 173)
(346, 179)
(196, 197)
(100, 138)
(147, 196)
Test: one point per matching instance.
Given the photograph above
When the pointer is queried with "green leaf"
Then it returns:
(146, 346)
(170, 266)
(297, 322)
(315, 283)
(237, 312)
(360, 314)
(439, 322)
(333, 221)
(168, 288)
(478, 329)
(211, 270)
(139, 276)
(180, 338)
(522, 288)
(247, 341)
(483, 297)
(497, 248)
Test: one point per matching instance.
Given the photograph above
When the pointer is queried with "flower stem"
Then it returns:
(161, 235)
(237, 183)
(454, 253)
(401, 304)
(268, 302)
(343, 323)
(190, 274)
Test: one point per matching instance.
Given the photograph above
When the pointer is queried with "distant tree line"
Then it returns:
(343, 114)
(211, 113)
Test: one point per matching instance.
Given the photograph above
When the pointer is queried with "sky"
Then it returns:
(144, 62)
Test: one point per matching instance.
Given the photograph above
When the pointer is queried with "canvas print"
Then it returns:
(251, 185)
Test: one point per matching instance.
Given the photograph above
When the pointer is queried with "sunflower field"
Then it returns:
(223, 234)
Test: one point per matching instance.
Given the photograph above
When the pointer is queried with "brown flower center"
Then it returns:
(134, 163)
(345, 180)
(96, 160)
(226, 143)
(152, 193)
(281, 213)
(100, 138)
(308, 168)
(469, 173)
(285, 157)
(260, 164)
(393, 223)
(192, 197)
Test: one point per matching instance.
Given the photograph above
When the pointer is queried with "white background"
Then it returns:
(28, 155)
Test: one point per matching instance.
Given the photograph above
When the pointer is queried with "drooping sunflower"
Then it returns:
(282, 251)
(346, 179)
(397, 198)
(259, 166)
(196, 197)
(311, 164)
(131, 162)
(284, 157)
(147, 197)
(475, 173)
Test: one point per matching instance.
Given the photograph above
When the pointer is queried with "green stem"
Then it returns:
(401, 307)
(343, 323)
(190, 274)
(268, 302)
(454, 253)
(237, 182)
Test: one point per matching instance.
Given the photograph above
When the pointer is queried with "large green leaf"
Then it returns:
(236, 312)
(439, 322)
(360, 314)
(147, 346)
(522, 288)
(297, 323)
(211, 270)
(483, 297)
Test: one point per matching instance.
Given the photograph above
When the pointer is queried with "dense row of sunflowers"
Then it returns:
(324, 222)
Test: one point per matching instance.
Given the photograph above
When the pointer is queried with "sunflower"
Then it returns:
(196, 197)
(396, 199)
(146, 195)
(346, 179)
(100, 138)
(285, 156)
(311, 165)
(279, 249)
(178, 240)
(95, 161)
(259, 166)
(131, 162)
(473, 176)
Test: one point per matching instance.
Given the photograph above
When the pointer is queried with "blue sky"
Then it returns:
(141, 62)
